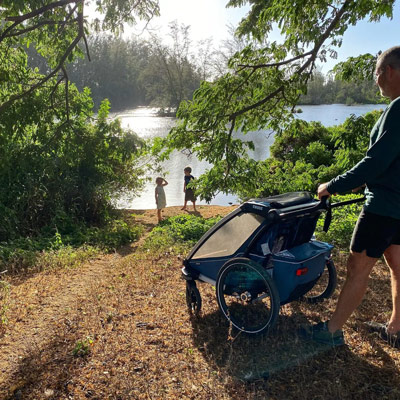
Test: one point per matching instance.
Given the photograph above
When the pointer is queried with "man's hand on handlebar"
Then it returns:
(322, 191)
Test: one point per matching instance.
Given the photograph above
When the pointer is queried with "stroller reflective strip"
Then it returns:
(206, 279)
(213, 253)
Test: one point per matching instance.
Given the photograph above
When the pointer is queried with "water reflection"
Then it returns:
(145, 122)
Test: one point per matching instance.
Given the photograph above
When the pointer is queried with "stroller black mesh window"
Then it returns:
(228, 239)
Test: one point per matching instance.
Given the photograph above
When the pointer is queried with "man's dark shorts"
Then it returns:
(375, 233)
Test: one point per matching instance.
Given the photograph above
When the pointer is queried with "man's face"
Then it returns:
(380, 78)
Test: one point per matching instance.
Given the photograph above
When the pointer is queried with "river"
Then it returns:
(147, 124)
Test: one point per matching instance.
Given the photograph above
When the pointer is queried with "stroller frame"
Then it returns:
(263, 255)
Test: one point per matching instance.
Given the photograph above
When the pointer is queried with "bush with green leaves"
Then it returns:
(181, 231)
(306, 154)
(342, 224)
(62, 166)
(57, 250)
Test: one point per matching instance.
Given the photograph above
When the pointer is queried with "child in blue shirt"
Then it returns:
(189, 193)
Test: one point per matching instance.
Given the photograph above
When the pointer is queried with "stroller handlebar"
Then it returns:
(346, 202)
(323, 205)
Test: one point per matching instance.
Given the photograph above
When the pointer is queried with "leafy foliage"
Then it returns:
(342, 225)
(177, 231)
(4, 300)
(263, 85)
(61, 168)
(56, 28)
(356, 68)
(322, 90)
(307, 154)
(82, 347)
(56, 173)
(53, 250)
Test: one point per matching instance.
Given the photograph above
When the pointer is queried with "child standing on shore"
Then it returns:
(160, 196)
(189, 193)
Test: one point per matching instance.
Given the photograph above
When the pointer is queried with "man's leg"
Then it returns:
(392, 257)
(359, 266)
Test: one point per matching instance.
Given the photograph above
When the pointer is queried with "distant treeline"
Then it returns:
(138, 72)
(327, 90)
(142, 72)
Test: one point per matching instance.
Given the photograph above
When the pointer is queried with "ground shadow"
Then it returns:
(46, 370)
(196, 213)
(282, 363)
(251, 357)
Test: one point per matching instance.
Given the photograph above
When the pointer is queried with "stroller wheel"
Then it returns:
(247, 296)
(325, 285)
(193, 298)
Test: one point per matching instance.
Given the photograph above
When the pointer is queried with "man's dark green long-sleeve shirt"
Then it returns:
(380, 168)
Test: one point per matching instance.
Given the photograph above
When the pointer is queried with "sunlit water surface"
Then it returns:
(147, 124)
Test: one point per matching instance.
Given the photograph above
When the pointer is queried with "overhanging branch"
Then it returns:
(310, 61)
(41, 10)
(277, 64)
(59, 66)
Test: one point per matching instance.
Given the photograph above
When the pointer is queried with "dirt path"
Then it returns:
(117, 328)
(46, 308)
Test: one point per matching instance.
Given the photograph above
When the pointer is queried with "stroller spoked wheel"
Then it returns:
(247, 296)
(193, 298)
(325, 285)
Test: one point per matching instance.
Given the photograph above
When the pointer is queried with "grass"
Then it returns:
(69, 250)
(144, 344)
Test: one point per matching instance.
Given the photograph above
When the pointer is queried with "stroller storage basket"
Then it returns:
(296, 270)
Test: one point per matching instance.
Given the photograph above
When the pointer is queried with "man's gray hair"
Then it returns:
(390, 57)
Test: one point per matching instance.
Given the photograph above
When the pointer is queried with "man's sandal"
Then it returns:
(393, 339)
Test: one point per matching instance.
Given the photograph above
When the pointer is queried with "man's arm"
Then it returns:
(378, 158)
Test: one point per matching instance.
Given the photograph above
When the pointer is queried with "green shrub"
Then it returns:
(57, 250)
(181, 230)
(57, 174)
(342, 225)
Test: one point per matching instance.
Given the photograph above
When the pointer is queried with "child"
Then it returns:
(189, 193)
(160, 196)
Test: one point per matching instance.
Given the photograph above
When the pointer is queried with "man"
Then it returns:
(377, 231)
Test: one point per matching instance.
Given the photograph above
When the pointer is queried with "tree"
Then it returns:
(113, 71)
(171, 76)
(60, 167)
(308, 153)
(266, 82)
(56, 28)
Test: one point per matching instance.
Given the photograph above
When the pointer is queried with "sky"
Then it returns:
(209, 18)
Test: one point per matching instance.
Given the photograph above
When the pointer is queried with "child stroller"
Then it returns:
(263, 255)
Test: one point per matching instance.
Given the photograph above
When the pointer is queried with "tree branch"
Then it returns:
(10, 28)
(313, 55)
(41, 10)
(32, 28)
(54, 90)
(277, 64)
(66, 90)
(67, 18)
(56, 69)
